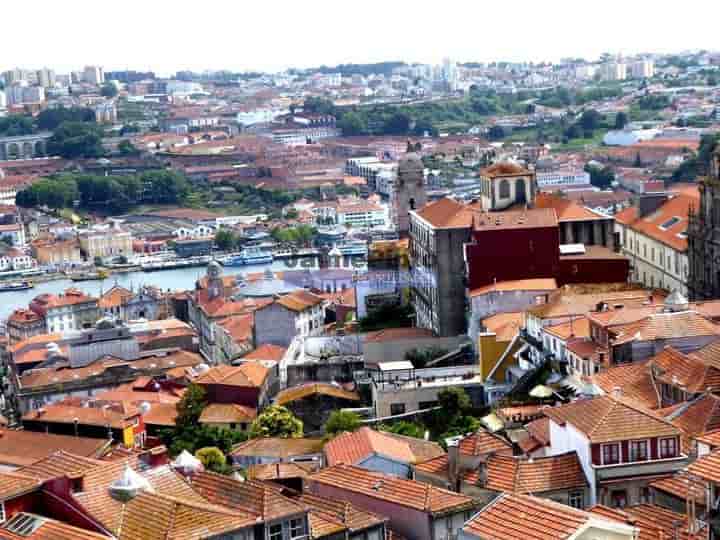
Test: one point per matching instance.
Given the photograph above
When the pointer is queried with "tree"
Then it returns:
(190, 407)
(397, 124)
(352, 123)
(126, 148)
(408, 429)
(225, 240)
(109, 90)
(621, 120)
(590, 120)
(76, 140)
(212, 459)
(50, 119)
(340, 421)
(601, 177)
(277, 421)
(454, 402)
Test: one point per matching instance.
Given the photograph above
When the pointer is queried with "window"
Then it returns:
(669, 223)
(504, 189)
(644, 495)
(668, 447)
(397, 408)
(2, 512)
(296, 528)
(576, 499)
(639, 451)
(276, 531)
(610, 454)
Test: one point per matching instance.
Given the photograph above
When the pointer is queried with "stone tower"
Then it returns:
(703, 234)
(409, 191)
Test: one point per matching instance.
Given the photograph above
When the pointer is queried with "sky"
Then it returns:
(272, 35)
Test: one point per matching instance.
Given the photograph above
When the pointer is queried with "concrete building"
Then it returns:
(71, 310)
(298, 313)
(93, 75)
(613, 71)
(438, 233)
(106, 242)
(642, 69)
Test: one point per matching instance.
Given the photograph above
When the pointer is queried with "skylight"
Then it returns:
(670, 222)
(24, 524)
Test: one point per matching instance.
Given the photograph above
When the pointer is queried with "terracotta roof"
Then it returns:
(539, 284)
(707, 467)
(266, 351)
(651, 225)
(538, 475)
(666, 326)
(566, 209)
(539, 430)
(19, 447)
(606, 419)
(14, 484)
(577, 328)
(49, 529)
(300, 300)
(711, 438)
(392, 334)
(238, 327)
(687, 370)
(408, 493)
(337, 512)
(446, 214)
(315, 389)
(116, 296)
(280, 471)
(571, 303)
(354, 448)
(161, 414)
(652, 522)
(505, 326)
(521, 517)
(680, 485)
(59, 463)
(247, 374)
(632, 379)
(277, 447)
(250, 497)
(503, 168)
(227, 413)
(483, 442)
(88, 416)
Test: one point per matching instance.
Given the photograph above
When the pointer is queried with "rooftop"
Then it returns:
(514, 219)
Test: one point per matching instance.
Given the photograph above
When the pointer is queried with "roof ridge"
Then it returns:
(604, 416)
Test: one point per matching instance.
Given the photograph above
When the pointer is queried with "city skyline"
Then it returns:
(255, 37)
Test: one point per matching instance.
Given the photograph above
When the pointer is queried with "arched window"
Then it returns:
(520, 191)
(504, 189)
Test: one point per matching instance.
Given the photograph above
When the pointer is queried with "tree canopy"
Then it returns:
(341, 421)
(76, 140)
(277, 421)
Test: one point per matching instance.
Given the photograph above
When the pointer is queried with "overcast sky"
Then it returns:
(270, 35)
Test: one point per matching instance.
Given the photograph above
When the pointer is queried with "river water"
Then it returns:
(174, 280)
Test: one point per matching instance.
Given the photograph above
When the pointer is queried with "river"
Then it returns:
(174, 280)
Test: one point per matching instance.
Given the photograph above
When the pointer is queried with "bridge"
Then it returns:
(24, 146)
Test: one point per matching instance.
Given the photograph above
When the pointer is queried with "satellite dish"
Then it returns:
(144, 407)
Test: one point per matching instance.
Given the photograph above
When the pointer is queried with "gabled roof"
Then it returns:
(447, 214)
(251, 497)
(15, 484)
(521, 517)
(266, 351)
(300, 300)
(20, 447)
(666, 326)
(707, 467)
(354, 448)
(402, 492)
(227, 413)
(567, 210)
(505, 326)
(247, 374)
(47, 529)
(296, 393)
(538, 284)
(652, 522)
(337, 512)
(538, 475)
(483, 442)
(680, 485)
(278, 447)
(633, 380)
(607, 419)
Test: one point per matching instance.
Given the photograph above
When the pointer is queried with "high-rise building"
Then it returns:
(613, 71)
(46, 77)
(15, 76)
(3, 100)
(93, 75)
(642, 69)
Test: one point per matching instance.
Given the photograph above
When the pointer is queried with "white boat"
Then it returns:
(353, 248)
(250, 255)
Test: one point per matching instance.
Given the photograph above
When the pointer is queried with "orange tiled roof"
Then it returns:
(538, 284)
(651, 225)
(266, 351)
(520, 517)
(447, 214)
(352, 448)
(566, 209)
(633, 380)
(652, 522)
(666, 326)
(577, 328)
(538, 475)
(116, 296)
(687, 370)
(89, 416)
(314, 389)
(392, 334)
(279, 470)
(277, 447)
(300, 300)
(504, 168)
(247, 374)
(606, 419)
(50, 529)
(20, 447)
(505, 326)
(483, 442)
(227, 413)
(14, 484)
(680, 485)
(340, 513)
(408, 493)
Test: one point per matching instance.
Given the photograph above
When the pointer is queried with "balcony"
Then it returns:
(640, 468)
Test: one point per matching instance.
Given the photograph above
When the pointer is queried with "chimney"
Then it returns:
(454, 464)
(650, 202)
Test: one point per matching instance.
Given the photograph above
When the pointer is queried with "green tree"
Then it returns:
(212, 459)
(340, 421)
(352, 123)
(403, 427)
(16, 124)
(50, 119)
(601, 177)
(76, 140)
(126, 148)
(496, 133)
(225, 240)
(454, 402)
(621, 120)
(397, 124)
(190, 407)
(590, 120)
(277, 421)
(109, 90)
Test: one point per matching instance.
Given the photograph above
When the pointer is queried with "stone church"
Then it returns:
(704, 237)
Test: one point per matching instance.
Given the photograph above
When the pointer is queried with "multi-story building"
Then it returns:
(613, 71)
(56, 251)
(642, 69)
(563, 179)
(409, 193)
(505, 184)
(298, 313)
(621, 447)
(106, 242)
(23, 324)
(653, 234)
(93, 75)
(46, 77)
(71, 310)
(438, 233)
